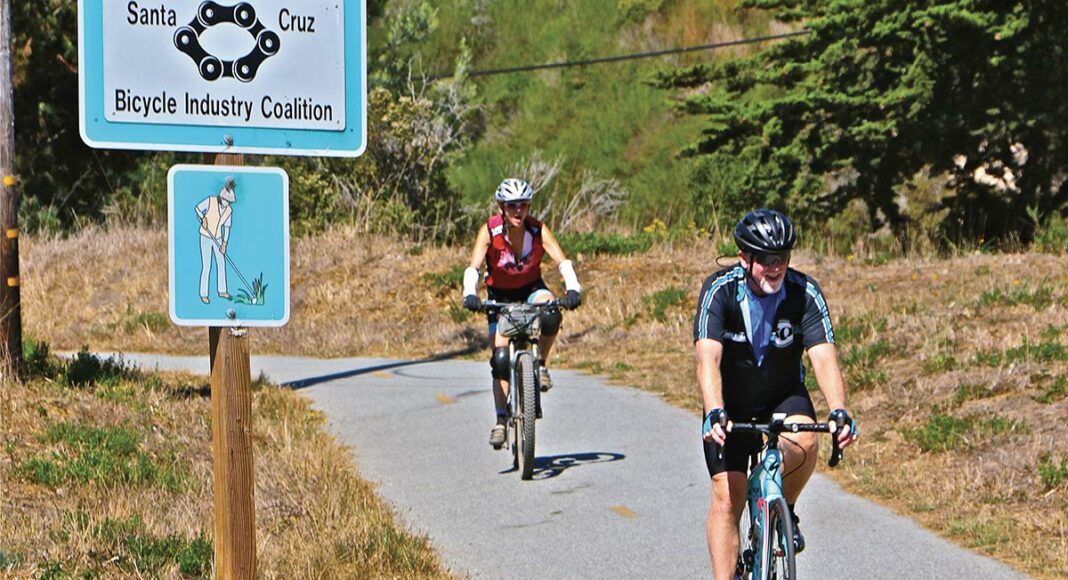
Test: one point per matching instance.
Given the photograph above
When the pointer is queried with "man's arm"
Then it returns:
(824, 358)
(708, 354)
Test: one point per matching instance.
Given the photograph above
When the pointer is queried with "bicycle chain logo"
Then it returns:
(211, 67)
(784, 334)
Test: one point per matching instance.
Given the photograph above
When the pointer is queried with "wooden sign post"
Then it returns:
(231, 435)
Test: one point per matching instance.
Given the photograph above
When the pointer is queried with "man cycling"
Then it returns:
(753, 321)
(514, 243)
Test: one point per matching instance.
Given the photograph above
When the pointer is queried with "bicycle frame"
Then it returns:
(764, 486)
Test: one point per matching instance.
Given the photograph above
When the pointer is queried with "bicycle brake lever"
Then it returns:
(836, 451)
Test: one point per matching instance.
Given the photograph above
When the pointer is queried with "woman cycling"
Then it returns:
(512, 245)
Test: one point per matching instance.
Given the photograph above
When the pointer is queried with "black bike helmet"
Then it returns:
(765, 231)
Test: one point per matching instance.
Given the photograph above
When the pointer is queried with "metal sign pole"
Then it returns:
(231, 414)
(10, 302)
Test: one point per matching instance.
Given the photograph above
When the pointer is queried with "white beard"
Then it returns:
(768, 288)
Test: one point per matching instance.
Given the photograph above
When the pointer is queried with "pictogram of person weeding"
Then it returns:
(214, 214)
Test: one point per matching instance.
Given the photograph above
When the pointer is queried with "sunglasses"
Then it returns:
(514, 205)
(772, 260)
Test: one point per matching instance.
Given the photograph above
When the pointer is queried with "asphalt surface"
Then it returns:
(619, 491)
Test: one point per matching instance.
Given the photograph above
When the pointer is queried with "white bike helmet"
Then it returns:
(512, 189)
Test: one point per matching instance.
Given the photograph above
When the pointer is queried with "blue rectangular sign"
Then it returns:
(234, 76)
(228, 243)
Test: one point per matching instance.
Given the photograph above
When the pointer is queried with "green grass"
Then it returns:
(1051, 333)
(593, 243)
(135, 321)
(979, 534)
(1040, 352)
(109, 456)
(857, 329)
(1056, 391)
(939, 363)
(449, 280)
(126, 543)
(661, 300)
(867, 355)
(971, 392)
(943, 432)
(1038, 299)
(1050, 472)
(861, 379)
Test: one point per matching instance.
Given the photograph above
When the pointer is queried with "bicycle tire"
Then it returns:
(527, 414)
(782, 565)
(761, 542)
(746, 544)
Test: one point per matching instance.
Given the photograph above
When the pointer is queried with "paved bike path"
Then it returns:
(620, 488)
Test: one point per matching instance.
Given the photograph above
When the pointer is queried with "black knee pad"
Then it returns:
(499, 363)
(550, 322)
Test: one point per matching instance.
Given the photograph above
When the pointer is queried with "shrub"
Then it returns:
(593, 243)
(1050, 472)
(87, 369)
(663, 299)
(445, 281)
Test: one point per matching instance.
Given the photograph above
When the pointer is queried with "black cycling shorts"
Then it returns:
(741, 446)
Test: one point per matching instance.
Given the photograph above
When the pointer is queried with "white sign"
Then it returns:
(261, 64)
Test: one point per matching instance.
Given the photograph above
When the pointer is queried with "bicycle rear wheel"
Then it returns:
(782, 565)
(747, 544)
(526, 395)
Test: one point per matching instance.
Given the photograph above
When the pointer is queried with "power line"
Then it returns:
(634, 56)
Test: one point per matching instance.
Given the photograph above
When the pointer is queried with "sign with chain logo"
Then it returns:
(229, 76)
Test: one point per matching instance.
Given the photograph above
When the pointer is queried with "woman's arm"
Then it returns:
(567, 269)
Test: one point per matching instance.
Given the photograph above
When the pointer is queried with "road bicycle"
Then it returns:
(521, 324)
(766, 550)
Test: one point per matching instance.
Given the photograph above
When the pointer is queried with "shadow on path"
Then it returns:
(554, 465)
(310, 381)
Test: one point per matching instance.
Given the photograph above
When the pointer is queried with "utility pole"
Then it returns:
(10, 304)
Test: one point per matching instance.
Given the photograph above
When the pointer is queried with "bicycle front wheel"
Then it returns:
(782, 565)
(527, 399)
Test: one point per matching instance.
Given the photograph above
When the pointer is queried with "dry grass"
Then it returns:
(923, 339)
(315, 517)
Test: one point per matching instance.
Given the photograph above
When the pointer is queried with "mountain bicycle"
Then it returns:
(766, 550)
(521, 324)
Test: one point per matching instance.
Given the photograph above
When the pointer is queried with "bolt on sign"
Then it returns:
(263, 76)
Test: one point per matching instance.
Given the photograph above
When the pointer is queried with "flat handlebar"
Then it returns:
(494, 306)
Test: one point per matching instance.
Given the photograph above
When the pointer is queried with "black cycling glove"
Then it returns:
(841, 418)
(572, 299)
(714, 416)
(472, 303)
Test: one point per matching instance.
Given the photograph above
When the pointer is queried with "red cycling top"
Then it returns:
(504, 271)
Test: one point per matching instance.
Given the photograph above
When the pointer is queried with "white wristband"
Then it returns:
(567, 270)
(470, 282)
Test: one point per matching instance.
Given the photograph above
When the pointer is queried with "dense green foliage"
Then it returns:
(600, 122)
(940, 117)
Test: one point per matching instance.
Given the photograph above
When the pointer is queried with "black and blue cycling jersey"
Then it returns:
(800, 322)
